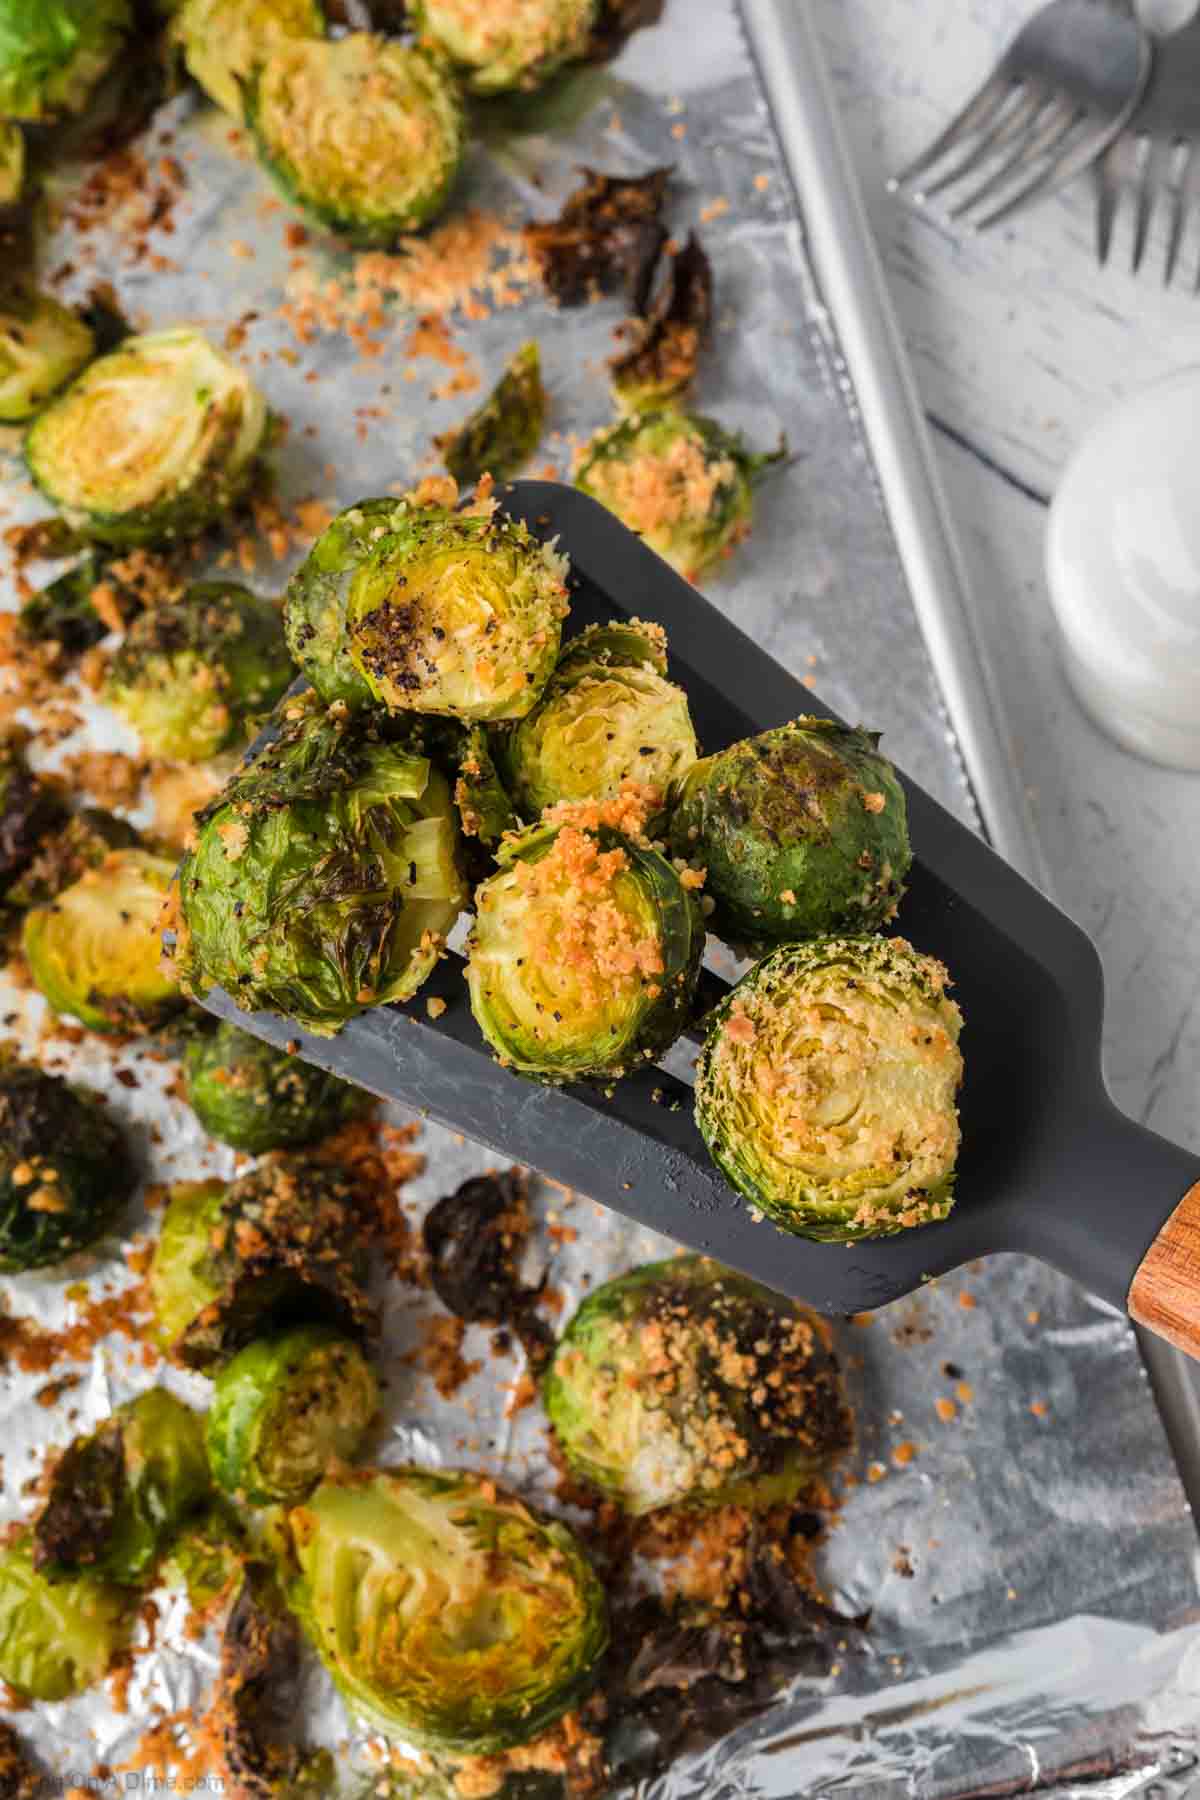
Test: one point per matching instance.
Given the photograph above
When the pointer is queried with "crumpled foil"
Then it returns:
(1012, 1517)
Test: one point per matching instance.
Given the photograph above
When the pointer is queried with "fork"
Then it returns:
(1063, 91)
(1156, 153)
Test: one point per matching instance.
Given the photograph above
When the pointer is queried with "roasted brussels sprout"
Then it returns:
(803, 831)
(192, 673)
(444, 1608)
(42, 344)
(224, 41)
(364, 133)
(256, 1699)
(285, 1408)
(586, 948)
(12, 173)
(314, 608)
(53, 53)
(501, 435)
(29, 810)
(608, 717)
(95, 950)
(153, 441)
(684, 1384)
(118, 1495)
(509, 43)
(683, 483)
(56, 1637)
(257, 1098)
(826, 1088)
(67, 852)
(324, 877)
(65, 1169)
(284, 1244)
(660, 360)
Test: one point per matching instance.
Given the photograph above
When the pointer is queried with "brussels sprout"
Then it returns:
(284, 1244)
(284, 1409)
(224, 41)
(117, 1496)
(683, 483)
(192, 673)
(508, 43)
(95, 950)
(484, 808)
(803, 831)
(826, 1088)
(153, 441)
(314, 608)
(324, 877)
(56, 1637)
(12, 170)
(501, 435)
(53, 53)
(29, 810)
(256, 1699)
(20, 1778)
(608, 717)
(684, 1384)
(42, 344)
(66, 854)
(257, 1098)
(586, 949)
(365, 134)
(65, 1169)
(445, 1609)
(660, 362)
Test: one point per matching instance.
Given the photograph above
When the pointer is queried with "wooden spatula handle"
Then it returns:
(1164, 1295)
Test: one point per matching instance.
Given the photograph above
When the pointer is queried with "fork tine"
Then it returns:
(979, 111)
(1151, 178)
(1062, 162)
(1045, 134)
(1107, 192)
(1011, 124)
(1185, 162)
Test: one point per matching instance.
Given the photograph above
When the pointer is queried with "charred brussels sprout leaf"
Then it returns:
(364, 133)
(501, 435)
(484, 808)
(29, 810)
(117, 1496)
(446, 1610)
(324, 877)
(660, 362)
(608, 717)
(257, 1098)
(512, 45)
(56, 1637)
(826, 1088)
(475, 1239)
(609, 234)
(803, 831)
(63, 856)
(65, 1169)
(284, 1409)
(95, 950)
(192, 673)
(224, 41)
(53, 53)
(684, 1384)
(154, 441)
(42, 344)
(585, 952)
(256, 1699)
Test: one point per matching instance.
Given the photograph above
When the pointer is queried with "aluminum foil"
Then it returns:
(1012, 1516)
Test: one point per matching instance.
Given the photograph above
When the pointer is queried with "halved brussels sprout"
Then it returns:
(53, 53)
(284, 1244)
(12, 162)
(192, 673)
(826, 1088)
(29, 811)
(95, 950)
(224, 41)
(501, 435)
(364, 133)
(257, 1098)
(287, 1407)
(608, 717)
(802, 830)
(65, 1168)
(153, 441)
(682, 482)
(42, 344)
(445, 1609)
(586, 948)
(117, 1496)
(56, 1637)
(498, 45)
(325, 876)
(65, 854)
(685, 1384)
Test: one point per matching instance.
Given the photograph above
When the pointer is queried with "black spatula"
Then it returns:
(1048, 1165)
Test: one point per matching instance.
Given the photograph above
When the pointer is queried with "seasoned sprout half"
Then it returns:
(287, 1407)
(224, 41)
(325, 876)
(586, 948)
(53, 53)
(515, 44)
(65, 1168)
(685, 1384)
(362, 132)
(609, 716)
(446, 1610)
(501, 435)
(826, 1090)
(42, 344)
(192, 673)
(95, 951)
(56, 1637)
(803, 831)
(152, 442)
(257, 1098)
